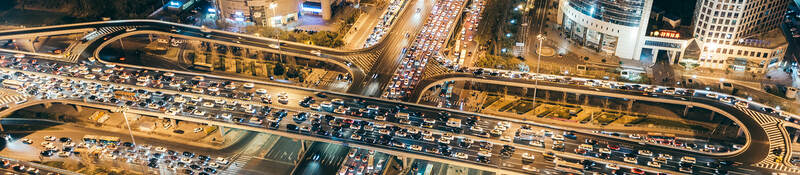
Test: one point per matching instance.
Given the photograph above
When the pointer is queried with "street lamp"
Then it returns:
(273, 6)
(541, 38)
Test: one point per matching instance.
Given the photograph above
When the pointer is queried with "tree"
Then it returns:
(279, 69)
(292, 72)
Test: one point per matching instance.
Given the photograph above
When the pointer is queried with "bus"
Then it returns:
(567, 166)
(13, 84)
(108, 140)
(661, 138)
(90, 139)
(124, 95)
(526, 134)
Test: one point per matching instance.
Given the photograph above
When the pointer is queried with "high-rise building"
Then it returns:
(740, 35)
(611, 26)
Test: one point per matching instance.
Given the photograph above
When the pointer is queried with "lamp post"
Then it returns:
(273, 6)
(540, 37)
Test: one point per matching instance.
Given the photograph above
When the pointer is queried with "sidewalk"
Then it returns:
(357, 35)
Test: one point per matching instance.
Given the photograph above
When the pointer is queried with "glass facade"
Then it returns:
(620, 12)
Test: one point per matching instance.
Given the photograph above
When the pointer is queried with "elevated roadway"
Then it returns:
(757, 150)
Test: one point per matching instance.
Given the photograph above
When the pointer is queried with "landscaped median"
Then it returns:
(590, 117)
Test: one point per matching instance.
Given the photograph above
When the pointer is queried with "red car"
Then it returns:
(637, 171)
(580, 151)
(613, 147)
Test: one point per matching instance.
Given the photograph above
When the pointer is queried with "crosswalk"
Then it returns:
(76, 50)
(433, 68)
(775, 134)
(9, 97)
(365, 60)
(237, 165)
(102, 31)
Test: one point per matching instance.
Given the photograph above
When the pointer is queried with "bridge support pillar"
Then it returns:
(686, 110)
(301, 151)
(794, 139)
(630, 104)
(711, 117)
(564, 97)
(78, 108)
(26, 44)
(547, 95)
(740, 133)
(47, 105)
(173, 123)
(586, 100)
(222, 132)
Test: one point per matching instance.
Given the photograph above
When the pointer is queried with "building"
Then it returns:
(609, 26)
(736, 35)
(740, 35)
(274, 12)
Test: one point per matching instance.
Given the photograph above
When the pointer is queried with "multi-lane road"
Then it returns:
(372, 68)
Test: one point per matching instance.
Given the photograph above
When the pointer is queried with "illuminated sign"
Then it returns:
(174, 4)
(666, 33)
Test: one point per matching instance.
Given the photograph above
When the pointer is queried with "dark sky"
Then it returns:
(681, 8)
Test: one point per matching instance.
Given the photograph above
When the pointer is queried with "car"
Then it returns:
(645, 152)
(654, 164)
(637, 171)
(612, 166)
(631, 160)
(613, 147)
(49, 138)
(604, 150)
(666, 156)
(316, 52)
(527, 157)
(460, 155)
(558, 137)
(687, 159)
(222, 161)
(685, 169)
(27, 141)
(196, 130)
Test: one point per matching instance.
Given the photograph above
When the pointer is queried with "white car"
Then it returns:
(50, 138)
(537, 143)
(612, 166)
(558, 137)
(604, 150)
(631, 160)
(688, 159)
(645, 152)
(316, 52)
(527, 157)
(665, 156)
(634, 136)
(460, 155)
(742, 104)
(274, 46)
(711, 95)
(196, 130)
(654, 164)
(222, 161)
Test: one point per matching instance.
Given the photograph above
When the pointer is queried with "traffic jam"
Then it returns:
(385, 125)
(427, 43)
